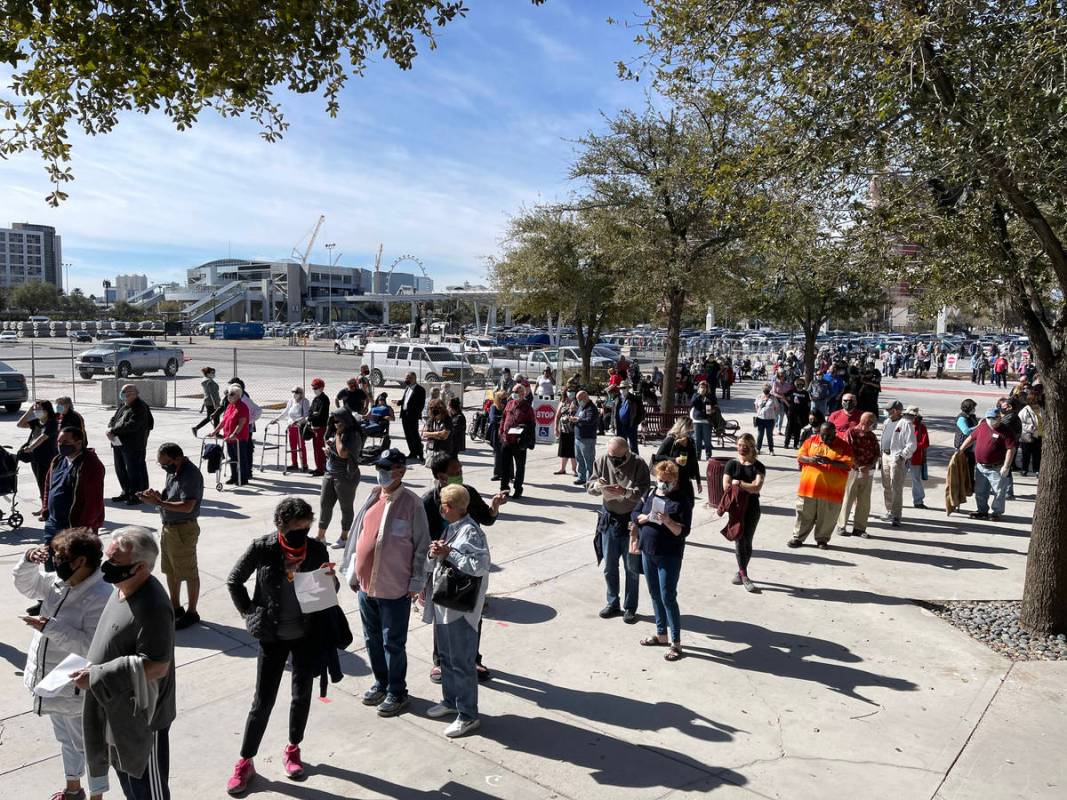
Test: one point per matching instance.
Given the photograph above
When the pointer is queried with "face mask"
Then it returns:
(116, 573)
(40, 414)
(455, 480)
(849, 404)
(61, 409)
(297, 537)
(617, 460)
(297, 395)
(64, 569)
(664, 486)
(170, 469)
(317, 392)
(570, 395)
(67, 449)
(385, 477)
(514, 396)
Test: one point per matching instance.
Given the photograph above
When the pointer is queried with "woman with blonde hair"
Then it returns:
(680, 446)
(659, 527)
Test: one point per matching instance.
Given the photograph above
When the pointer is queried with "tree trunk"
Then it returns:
(675, 305)
(585, 347)
(1045, 590)
(810, 333)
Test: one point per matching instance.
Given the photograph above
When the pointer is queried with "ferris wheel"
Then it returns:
(407, 257)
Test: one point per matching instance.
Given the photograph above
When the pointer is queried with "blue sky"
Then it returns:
(429, 162)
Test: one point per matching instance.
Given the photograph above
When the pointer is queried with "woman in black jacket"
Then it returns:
(678, 446)
(273, 616)
(319, 419)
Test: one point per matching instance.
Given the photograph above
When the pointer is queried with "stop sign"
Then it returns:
(545, 414)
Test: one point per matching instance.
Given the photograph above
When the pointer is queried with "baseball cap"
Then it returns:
(390, 458)
(896, 405)
(912, 411)
(317, 383)
(991, 414)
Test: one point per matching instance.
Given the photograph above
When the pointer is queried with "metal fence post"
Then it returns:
(33, 369)
(73, 383)
(304, 368)
(234, 373)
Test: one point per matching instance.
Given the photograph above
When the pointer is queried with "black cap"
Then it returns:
(391, 458)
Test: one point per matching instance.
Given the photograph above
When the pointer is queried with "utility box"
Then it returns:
(153, 391)
(239, 330)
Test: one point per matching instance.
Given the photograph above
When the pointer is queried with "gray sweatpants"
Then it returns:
(338, 489)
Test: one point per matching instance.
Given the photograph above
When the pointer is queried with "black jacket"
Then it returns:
(319, 415)
(415, 404)
(264, 557)
(132, 424)
(478, 509)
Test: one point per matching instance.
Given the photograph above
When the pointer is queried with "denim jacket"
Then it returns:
(470, 555)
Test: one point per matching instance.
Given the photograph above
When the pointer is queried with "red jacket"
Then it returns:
(922, 444)
(88, 508)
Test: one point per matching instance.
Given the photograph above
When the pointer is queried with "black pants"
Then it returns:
(153, 784)
(131, 469)
(765, 428)
(270, 666)
(512, 466)
(411, 436)
(1031, 455)
(793, 426)
(743, 543)
(211, 415)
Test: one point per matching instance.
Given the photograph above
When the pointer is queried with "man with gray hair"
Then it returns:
(129, 683)
(128, 433)
(622, 480)
(586, 422)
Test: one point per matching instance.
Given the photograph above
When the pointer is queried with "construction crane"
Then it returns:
(311, 243)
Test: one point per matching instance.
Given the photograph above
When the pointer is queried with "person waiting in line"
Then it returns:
(494, 416)
(378, 419)
(797, 416)
(898, 446)
(747, 473)
(464, 548)
(585, 433)
(319, 420)
(994, 452)
(621, 480)
(679, 446)
(72, 599)
(660, 524)
(1032, 418)
(448, 471)
(516, 438)
(234, 428)
(437, 433)
(41, 444)
(353, 398)
(917, 467)
(865, 458)
(458, 423)
(546, 387)
(385, 564)
(67, 417)
(699, 413)
(411, 404)
(293, 416)
(344, 445)
(825, 462)
(211, 405)
(128, 432)
(566, 416)
(628, 414)
(73, 487)
(766, 407)
(273, 616)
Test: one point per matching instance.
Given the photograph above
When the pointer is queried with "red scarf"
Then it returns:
(293, 556)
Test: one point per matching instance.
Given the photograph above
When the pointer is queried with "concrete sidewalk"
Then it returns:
(830, 683)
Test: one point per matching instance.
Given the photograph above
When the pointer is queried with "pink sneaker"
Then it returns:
(242, 776)
(294, 767)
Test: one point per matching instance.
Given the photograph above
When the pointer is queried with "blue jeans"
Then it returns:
(616, 546)
(987, 480)
(385, 631)
(702, 438)
(661, 575)
(458, 643)
(918, 491)
(585, 455)
(765, 427)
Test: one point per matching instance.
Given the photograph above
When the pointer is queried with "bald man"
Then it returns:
(865, 456)
(128, 433)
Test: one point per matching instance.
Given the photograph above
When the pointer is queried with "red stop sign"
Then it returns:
(545, 414)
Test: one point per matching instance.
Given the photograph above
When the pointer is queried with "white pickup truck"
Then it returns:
(348, 343)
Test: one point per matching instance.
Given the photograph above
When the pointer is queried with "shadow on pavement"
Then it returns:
(14, 656)
(930, 559)
(785, 655)
(966, 548)
(370, 783)
(833, 595)
(791, 556)
(518, 611)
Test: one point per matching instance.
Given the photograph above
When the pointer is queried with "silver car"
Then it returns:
(125, 357)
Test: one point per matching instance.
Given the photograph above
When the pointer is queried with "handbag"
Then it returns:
(455, 589)
(307, 432)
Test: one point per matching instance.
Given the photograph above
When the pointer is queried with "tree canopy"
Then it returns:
(34, 297)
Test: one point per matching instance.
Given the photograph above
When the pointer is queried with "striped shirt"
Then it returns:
(824, 482)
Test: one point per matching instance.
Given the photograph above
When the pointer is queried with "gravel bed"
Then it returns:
(996, 623)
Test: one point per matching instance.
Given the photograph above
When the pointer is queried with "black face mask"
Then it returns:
(67, 450)
(618, 461)
(116, 573)
(64, 569)
(170, 469)
(297, 537)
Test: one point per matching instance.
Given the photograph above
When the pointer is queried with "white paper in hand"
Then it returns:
(314, 590)
(54, 682)
(658, 511)
(515, 431)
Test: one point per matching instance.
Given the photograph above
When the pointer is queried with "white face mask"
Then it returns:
(385, 477)
(664, 486)
(40, 414)
(317, 392)
(61, 409)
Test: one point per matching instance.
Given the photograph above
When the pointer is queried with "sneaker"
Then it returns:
(461, 727)
(895, 522)
(978, 515)
(440, 711)
(516, 494)
(823, 545)
(920, 505)
(435, 675)
(579, 482)
(373, 696)
(607, 612)
(749, 585)
(736, 579)
(119, 498)
(483, 673)
(794, 542)
(629, 617)
(186, 620)
(318, 473)
(843, 532)
(995, 517)
(340, 544)
(243, 774)
(392, 705)
(294, 767)
(862, 534)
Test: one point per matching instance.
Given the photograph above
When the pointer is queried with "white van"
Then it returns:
(390, 362)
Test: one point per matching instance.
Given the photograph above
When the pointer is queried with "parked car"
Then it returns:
(80, 336)
(392, 361)
(9, 337)
(125, 357)
(13, 391)
(348, 343)
(103, 336)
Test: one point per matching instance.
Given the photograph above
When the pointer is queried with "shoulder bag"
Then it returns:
(455, 589)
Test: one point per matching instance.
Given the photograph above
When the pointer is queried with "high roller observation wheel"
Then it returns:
(402, 259)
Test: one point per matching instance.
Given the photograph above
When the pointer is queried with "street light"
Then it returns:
(66, 277)
(329, 277)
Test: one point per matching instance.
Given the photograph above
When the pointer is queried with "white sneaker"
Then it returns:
(461, 727)
(440, 710)
(340, 544)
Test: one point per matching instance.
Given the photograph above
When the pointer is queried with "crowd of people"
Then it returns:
(401, 551)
